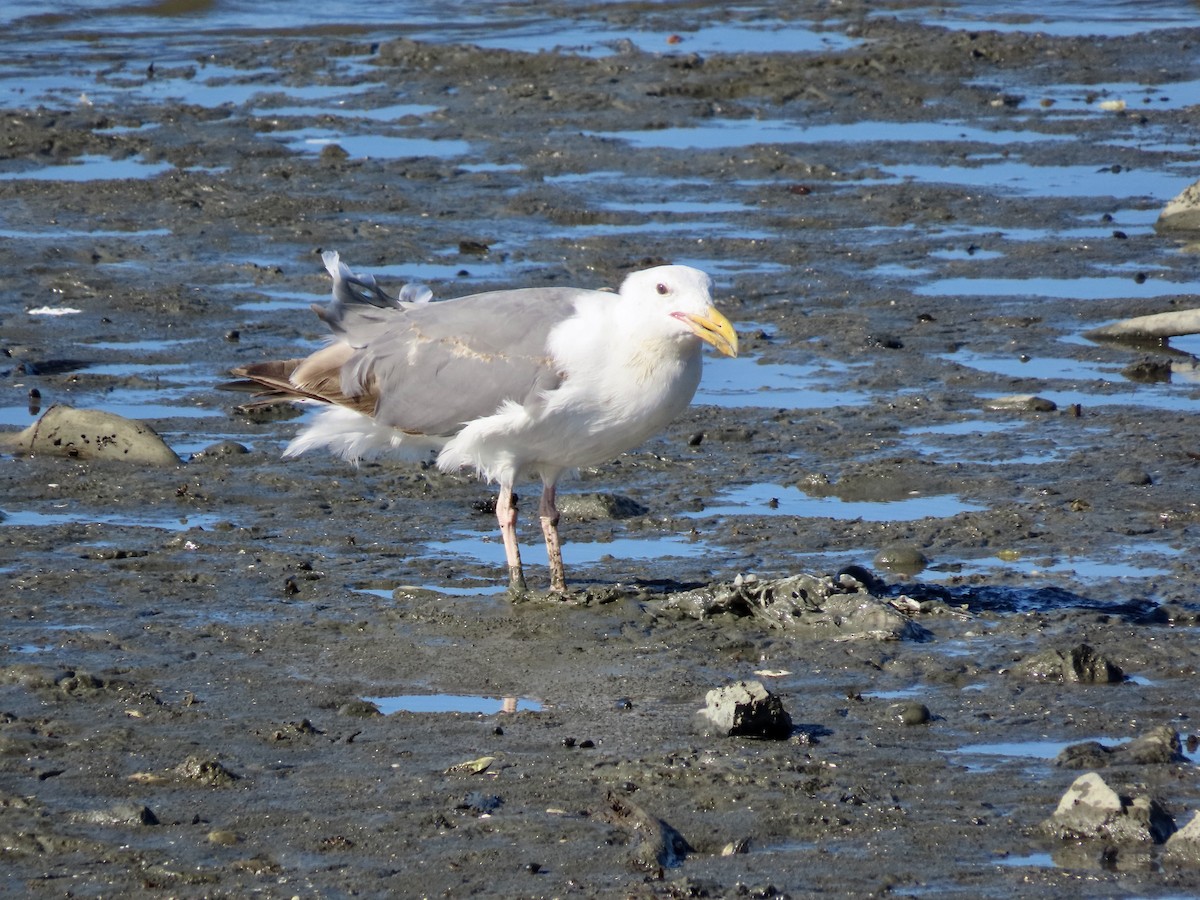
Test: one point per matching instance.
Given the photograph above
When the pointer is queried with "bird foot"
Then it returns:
(516, 582)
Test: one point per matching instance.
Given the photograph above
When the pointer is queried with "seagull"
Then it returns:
(511, 384)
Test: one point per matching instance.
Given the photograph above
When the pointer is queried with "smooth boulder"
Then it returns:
(94, 434)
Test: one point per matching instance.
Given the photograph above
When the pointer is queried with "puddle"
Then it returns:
(1073, 99)
(1043, 368)
(1038, 860)
(1141, 560)
(453, 703)
(1045, 750)
(965, 253)
(722, 267)
(1131, 221)
(781, 500)
(1086, 288)
(377, 114)
(715, 225)
(1027, 750)
(593, 40)
(33, 648)
(25, 518)
(55, 233)
(487, 548)
(746, 382)
(139, 405)
(915, 690)
(971, 426)
(479, 589)
(372, 146)
(1047, 181)
(730, 133)
(149, 371)
(153, 345)
(1036, 451)
(91, 168)
(276, 299)
(1150, 396)
(456, 270)
(1099, 18)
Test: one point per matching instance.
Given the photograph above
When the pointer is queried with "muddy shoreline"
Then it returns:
(905, 226)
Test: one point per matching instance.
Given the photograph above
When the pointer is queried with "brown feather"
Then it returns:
(316, 377)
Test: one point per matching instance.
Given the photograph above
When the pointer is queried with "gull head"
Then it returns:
(676, 301)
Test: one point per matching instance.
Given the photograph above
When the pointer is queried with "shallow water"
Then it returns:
(783, 500)
(452, 703)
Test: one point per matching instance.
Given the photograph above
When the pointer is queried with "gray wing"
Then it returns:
(441, 365)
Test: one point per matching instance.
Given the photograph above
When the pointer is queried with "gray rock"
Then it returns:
(1090, 809)
(1080, 665)
(94, 434)
(744, 709)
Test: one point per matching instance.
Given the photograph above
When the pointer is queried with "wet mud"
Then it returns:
(913, 226)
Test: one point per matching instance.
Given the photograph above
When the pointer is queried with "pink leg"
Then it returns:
(506, 515)
(548, 512)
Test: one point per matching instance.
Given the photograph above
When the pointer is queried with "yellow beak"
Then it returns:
(713, 328)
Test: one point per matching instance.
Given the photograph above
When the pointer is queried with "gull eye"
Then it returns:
(662, 288)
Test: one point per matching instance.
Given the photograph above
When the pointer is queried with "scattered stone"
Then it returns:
(122, 814)
(744, 709)
(333, 153)
(224, 837)
(1148, 371)
(220, 450)
(471, 766)
(904, 559)
(911, 713)
(1157, 746)
(1090, 809)
(1019, 403)
(733, 848)
(94, 434)
(656, 844)
(828, 607)
(479, 804)
(1081, 665)
(359, 709)
(206, 771)
(597, 506)
(1134, 476)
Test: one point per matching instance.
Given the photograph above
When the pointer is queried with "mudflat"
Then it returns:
(238, 676)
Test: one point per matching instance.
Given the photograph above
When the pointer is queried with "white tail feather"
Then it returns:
(353, 437)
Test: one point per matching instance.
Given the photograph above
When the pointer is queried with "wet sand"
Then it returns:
(906, 223)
